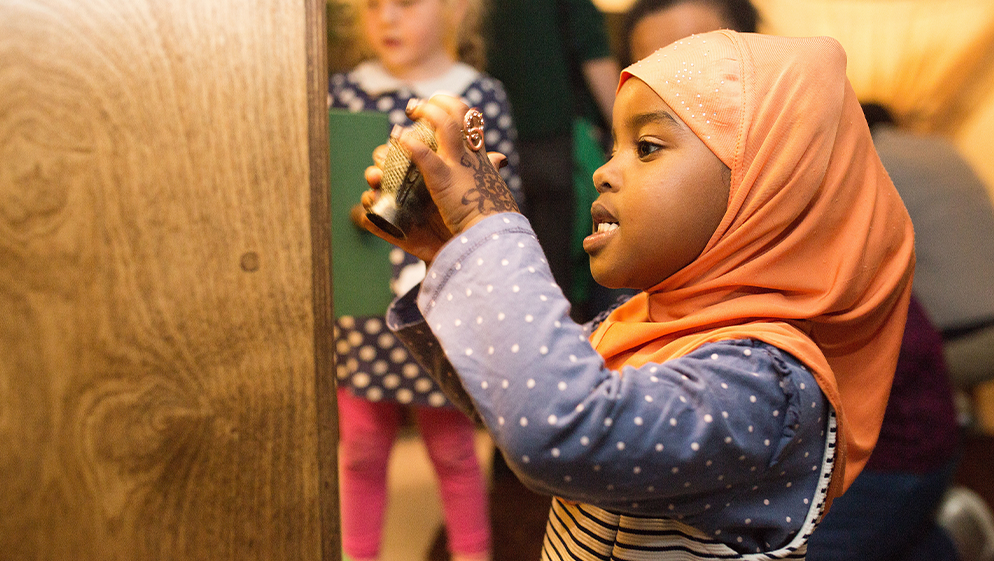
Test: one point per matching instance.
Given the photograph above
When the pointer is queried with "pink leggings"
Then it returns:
(368, 431)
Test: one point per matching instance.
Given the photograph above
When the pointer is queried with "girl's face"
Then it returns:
(408, 36)
(662, 194)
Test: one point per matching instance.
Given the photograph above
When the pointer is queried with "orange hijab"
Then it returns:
(815, 252)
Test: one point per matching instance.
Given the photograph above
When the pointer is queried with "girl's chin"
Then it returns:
(604, 277)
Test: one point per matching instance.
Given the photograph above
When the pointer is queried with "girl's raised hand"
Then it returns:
(422, 242)
(463, 182)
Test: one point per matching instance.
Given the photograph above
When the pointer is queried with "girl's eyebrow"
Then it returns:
(655, 117)
(660, 117)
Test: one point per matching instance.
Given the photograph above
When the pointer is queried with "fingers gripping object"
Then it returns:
(403, 195)
(404, 198)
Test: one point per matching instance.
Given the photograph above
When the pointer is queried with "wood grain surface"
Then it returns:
(163, 252)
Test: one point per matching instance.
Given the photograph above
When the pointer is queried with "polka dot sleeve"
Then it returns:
(732, 434)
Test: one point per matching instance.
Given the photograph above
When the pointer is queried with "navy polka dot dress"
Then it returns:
(371, 362)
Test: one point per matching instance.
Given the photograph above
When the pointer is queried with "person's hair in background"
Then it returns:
(651, 24)
(877, 114)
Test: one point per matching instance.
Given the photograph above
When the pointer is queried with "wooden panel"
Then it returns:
(160, 354)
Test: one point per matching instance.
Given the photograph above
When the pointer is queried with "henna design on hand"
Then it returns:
(491, 194)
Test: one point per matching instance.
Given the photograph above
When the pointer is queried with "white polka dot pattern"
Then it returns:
(697, 430)
(367, 354)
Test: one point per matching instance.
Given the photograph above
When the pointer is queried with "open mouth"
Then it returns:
(605, 226)
(600, 227)
(603, 220)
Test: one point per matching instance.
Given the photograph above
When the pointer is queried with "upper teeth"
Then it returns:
(606, 226)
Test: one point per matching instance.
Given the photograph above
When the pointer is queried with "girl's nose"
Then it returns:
(389, 11)
(603, 178)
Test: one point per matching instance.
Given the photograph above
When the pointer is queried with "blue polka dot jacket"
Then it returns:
(723, 453)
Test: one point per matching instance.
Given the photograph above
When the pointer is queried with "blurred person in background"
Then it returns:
(954, 229)
(555, 60)
(414, 48)
(651, 24)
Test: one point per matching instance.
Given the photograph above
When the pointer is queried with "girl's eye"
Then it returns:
(646, 148)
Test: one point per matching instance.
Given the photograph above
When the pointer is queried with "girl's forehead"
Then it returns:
(638, 105)
(700, 78)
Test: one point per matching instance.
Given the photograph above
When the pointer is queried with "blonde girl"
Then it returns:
(408, 49)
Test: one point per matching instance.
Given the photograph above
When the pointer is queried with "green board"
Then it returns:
(361, 270)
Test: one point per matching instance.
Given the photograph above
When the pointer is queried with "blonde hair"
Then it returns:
(347, 46)
(470, 47)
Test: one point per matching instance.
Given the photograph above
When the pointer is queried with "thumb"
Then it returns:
(428, 162)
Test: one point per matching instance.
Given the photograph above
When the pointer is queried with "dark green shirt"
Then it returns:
(536, 47)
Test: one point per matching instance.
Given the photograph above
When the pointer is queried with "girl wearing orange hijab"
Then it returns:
(717, 413)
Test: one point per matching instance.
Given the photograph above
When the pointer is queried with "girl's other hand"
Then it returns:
(421, 242)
